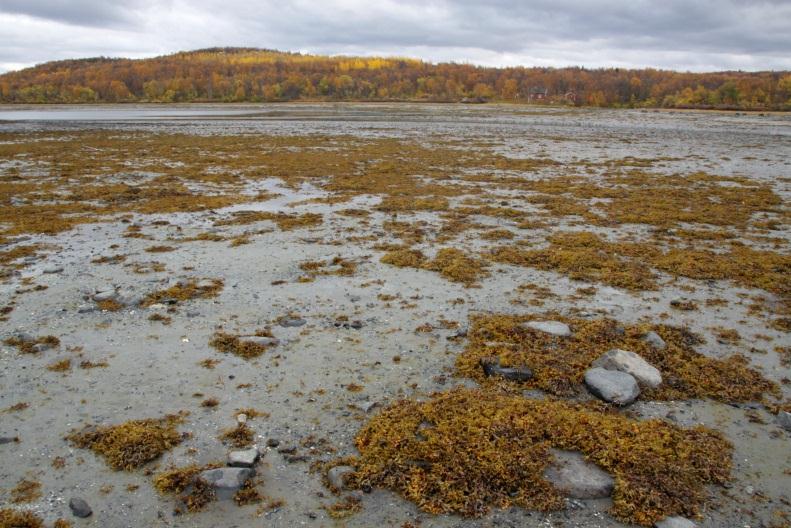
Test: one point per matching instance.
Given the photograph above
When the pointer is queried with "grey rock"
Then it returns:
(337, 476)
(79, 507)
(129, 298)
(86, 308)
(105, 296)
(260, 340)
(625, 361)
(655, 340)
(492, 367)
(555, 328)
(612, 386)
(41, 347)
(784, 420)
(675, 522)
(578, 478)
(243, 458)
(8, 439)
(226, 481)
(53, 269)
(292, 322)
(193, 313)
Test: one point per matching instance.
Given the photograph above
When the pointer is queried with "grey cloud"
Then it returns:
(705, 34)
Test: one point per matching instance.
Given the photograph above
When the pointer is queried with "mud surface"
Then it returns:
(317, 384)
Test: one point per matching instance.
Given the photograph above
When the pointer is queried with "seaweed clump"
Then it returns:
(184, 291)
(11, 518)
(465, 451)
(239, 346)
(559, 363)
(32, 346)
(239, 436)
(178, 480)
(454, 265)
(131, 444)
(404, 258)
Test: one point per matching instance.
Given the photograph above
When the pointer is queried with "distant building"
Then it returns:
(570, 96)
(537, 93)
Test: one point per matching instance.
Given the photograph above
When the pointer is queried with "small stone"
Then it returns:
(492, 367)
(675, 522)
(292, 322)
(80, 508)
(655, 340)
(8, 439)
(243, 458)
(85, 308)
(272, 442)
(625, 361)
(578, 478)
(129, 298)
(366, 405)
(337, 476)
(612, 386)
(53, 269)
(41, 347)
(157, 307)
(226, 481)
(555, 328)
(205, 284)
(23, 336)
(357, 324)
(260, 340)
(784, 420)
(241, 418)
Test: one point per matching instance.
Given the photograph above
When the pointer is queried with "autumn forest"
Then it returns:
(255, 75)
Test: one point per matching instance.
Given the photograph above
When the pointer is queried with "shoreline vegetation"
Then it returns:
(248, 75)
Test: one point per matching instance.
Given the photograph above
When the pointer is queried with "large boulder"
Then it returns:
(612, 386)
(616, 359)
(577, 478)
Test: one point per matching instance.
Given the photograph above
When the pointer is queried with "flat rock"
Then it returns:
(85, 308)
(53, 269)
(205, 283)
(555, 328)
(226, 481)
(655, 340)
(612, 386)
(625, 361)
(578, 478)
(80, 508)
(337, 476)
(784, 420)
(675, 522)
(243, 458)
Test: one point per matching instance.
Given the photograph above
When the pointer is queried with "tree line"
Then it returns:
(256, 75)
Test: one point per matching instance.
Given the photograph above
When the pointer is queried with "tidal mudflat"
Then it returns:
(394, 315)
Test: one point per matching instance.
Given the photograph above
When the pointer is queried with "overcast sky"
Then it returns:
(697, 35)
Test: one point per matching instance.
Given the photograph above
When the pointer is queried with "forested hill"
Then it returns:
(244, 74)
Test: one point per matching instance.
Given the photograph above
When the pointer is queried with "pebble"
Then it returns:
(555, 328)
(243, 458)
(612, 386)
(241, 418)
(655, 340)
(85, 308)
(23, 336)
(337, 476)
(53, 269)
(205, 283)
(675, 522)
(226, 481)
(80, 508)
(625, 361)
(366, 405)
(578, 478)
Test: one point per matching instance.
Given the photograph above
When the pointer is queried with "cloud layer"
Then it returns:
(703, 35)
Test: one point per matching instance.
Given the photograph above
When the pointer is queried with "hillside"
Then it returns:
(252, 75)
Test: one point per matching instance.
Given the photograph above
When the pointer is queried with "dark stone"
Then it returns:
(492, 367)
(80, 508)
